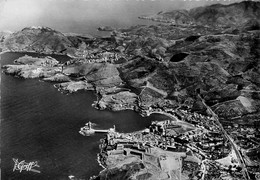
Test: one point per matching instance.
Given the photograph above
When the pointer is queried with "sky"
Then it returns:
(82, 16)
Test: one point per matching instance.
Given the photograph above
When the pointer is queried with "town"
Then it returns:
(195, 147)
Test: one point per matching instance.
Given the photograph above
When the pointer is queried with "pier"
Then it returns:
(89, 130)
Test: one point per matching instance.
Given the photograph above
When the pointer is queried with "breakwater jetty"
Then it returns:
(89, 130)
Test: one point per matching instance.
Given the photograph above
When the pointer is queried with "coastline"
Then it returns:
(4, 52)
(164, 113)
(147, 113)
(168, 76)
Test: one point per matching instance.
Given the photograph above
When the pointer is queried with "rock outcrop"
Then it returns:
(74, 86)
(119, 101)
(44, 61)
(31, 71)
(33, 67)
(59, 77)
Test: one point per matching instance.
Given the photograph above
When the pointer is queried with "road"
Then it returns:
(233, 144)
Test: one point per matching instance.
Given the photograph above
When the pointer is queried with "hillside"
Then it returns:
(206, 60)
(165, 65)
(245, 14)
(43, 40)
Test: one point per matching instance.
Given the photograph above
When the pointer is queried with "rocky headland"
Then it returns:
(204, 58)
(30, 67)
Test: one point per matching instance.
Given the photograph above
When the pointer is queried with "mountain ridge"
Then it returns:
(181, 70)
(215, 15)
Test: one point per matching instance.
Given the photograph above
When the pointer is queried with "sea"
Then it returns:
(85, 16)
